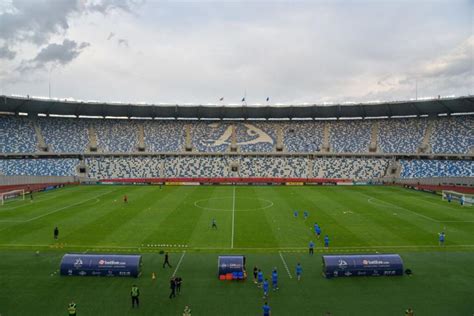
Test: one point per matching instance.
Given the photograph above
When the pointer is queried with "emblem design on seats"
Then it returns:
(256, 135)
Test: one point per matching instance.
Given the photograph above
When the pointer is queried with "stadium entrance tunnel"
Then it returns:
(362, 265)
(230, 204)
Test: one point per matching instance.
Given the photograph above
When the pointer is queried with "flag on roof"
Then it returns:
(268, 99)
(243, 99)
(221, 99)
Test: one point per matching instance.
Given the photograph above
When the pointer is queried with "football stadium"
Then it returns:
(232, 184)
(275, 158)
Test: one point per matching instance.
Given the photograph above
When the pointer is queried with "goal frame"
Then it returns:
(5, 196)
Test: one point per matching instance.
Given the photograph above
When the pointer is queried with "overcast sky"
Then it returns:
(199, 51)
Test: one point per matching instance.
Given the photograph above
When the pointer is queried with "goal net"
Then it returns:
(461, 198)
(12, 195)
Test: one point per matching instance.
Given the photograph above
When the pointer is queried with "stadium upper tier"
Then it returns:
(439, 135)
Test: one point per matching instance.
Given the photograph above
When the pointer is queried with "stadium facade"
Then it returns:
(426, 142)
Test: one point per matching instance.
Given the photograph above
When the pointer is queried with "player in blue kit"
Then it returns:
(259, 278)
(299, 270)
(275, 279)
(295, 214)
(317, 230)
(305, 214)
(441, 238)
(265, 288)
(266, 310)
(326, 241)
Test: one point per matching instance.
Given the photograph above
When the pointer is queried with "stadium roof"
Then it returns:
(14, 104)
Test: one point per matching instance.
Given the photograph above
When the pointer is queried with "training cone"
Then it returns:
(153, 276)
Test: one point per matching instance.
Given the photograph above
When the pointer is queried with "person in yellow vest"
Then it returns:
(135, 293)
(71, 309)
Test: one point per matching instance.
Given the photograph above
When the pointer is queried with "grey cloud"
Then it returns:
(36, 21)
(457, 62)
(105, 6)
(6, 53)
(435, 76)
(55, 54)
(123, 42)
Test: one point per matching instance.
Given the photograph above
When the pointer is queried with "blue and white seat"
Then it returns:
(350, 168)
(39, 167)
(17, 135)
(123, 167)
(453, 135)
(164, 136)
(303, 136)
(436, 168)
(116, 135)
(65, 135)
(401, 135)
(350, 136)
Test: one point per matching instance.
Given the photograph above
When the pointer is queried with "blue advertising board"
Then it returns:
(101, 265)
(362, 265)
(230, 264)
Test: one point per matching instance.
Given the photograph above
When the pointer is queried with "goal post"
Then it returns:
(462, 198)
(14, 194)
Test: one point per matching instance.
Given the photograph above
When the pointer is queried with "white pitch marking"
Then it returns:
(285, 265)
(398, 207)
(233, 217)
(289, 249)
(65, 207)
(179, 263)
(55, 211)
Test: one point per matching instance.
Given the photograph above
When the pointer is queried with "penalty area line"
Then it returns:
(285, 265)
(179, 263)
(66, 207)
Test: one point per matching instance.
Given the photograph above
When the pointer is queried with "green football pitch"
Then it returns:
(256, 221)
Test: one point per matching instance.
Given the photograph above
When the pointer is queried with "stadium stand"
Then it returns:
(401, 135)
(357, 131)
(116, 135)
(303, 136)
(211, 137)
(453, 135)
(273, 167)
(164, 136)
(406, 136)
(256, 136)
(65, 135)
(194, 167)
(39, 167)
(17, 135)
(123, 167)
(436, 168)
(349, 168)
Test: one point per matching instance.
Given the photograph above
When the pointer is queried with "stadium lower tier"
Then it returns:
(235, 167)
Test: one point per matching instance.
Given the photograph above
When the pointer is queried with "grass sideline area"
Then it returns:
(256, 221)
